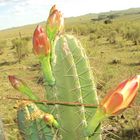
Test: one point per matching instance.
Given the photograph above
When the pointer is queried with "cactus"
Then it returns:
(68, 78)
(34, 124)
(68, 82)
(74, 83)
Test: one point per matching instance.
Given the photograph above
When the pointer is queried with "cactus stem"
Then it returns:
(95, 122)
(47, 70)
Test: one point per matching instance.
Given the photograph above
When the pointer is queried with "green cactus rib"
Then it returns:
(86, 79)
(31, 124)
(73, 83)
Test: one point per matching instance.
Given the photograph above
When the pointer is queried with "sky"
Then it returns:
(15, 13)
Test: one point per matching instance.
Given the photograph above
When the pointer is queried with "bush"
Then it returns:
(112, 37)
(20, 44)
(133, 33)
(3, 44)
(121, 42)
(107, 21)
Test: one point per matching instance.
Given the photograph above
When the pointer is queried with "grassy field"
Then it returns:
(112, 43)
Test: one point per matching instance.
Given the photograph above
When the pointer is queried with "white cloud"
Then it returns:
(18, 10)
(28, 7)
(3, 2)
(37, 2)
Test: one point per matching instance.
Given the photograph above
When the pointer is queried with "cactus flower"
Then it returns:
(55, 23)
(115, 102)
(41, 43)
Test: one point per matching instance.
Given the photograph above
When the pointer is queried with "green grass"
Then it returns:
(111, 63)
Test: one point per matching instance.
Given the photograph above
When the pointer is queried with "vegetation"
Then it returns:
(114, 53)
(20, 45)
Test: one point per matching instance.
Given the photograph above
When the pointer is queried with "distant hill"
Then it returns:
(131, 11)
(124, 12)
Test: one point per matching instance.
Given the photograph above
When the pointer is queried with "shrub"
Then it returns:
(120, 42)
(20, 44)
(133, 33)
(112, 37)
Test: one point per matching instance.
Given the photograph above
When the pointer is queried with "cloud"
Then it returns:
(3, 2)
(18, 7)
(18, 12)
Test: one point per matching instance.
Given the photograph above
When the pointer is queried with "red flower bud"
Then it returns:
(15, 82)
(121, 98)
(41, 43)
